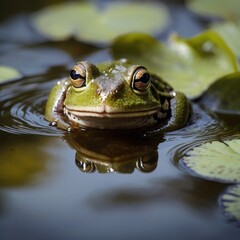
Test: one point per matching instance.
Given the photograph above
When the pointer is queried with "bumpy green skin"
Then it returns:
(109, 84)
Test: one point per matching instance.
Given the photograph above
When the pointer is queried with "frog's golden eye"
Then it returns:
(141, 80)
(78, 76)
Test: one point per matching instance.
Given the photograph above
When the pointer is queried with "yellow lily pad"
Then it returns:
(228, 9)
(230, 201)
(8, 73)
(87, 22)
(190, 65)
(217, 161)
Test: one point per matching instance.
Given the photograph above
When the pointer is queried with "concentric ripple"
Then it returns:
(203, 127)
(22, 105)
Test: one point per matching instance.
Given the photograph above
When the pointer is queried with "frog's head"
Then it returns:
(111, 95)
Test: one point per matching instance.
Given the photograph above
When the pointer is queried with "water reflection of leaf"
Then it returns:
(217, 161)
(231, 121)
(87, 22)
(22, 159)
(189, 65)
(230, 202)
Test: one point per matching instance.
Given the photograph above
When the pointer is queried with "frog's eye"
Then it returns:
(78, 76)
(141, 80)
(85, 166)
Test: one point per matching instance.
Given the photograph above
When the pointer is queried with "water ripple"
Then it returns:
(203, 127)
(22, 105)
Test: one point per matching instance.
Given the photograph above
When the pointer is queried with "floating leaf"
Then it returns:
(8, 73)
(218, 161)
(223, 95)
(86, 22)
(219, 8)
(230, 201)
(230, 32)
(189, 65)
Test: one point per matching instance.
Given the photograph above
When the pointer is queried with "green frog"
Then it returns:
(115, 95)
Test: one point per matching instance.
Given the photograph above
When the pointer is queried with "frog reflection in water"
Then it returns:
(145, 164)
(115, 95)
(107, 151)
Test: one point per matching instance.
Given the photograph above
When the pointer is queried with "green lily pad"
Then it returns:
(219, 8)
(8, 73)
(86, 22)
(189, 65)
(230, 201)
(230, 32)
(223, 95)
(217, 161)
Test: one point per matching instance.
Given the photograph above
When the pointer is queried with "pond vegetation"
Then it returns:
(193, 172)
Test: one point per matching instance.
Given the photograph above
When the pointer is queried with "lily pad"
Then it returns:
(217, 161)
(230, 32)
(230, 201)
(219, 8)
(223, 95)
(189, 65)
(87, 22)
(8, 73)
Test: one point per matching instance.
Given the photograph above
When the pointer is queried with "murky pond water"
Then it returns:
(60, 186)
(98, 184)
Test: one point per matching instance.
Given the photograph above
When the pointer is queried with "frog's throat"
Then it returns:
(115, 120)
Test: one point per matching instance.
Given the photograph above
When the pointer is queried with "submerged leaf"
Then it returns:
(189, 65)
(223, 95)
(22, 160)
(8, 73)
(221, 8)
(218, 161)
(86, 22)
(230, 201)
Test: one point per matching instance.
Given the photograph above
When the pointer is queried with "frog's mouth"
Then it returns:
(114, 119)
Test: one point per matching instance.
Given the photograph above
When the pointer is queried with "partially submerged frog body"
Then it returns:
(115, 95)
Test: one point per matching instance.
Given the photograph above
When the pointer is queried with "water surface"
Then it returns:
(44, 194)
(137, 191)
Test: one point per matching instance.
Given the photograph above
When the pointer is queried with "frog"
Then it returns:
(115, 94)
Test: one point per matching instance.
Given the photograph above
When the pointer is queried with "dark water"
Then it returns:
(45, 193)
(98, 184)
